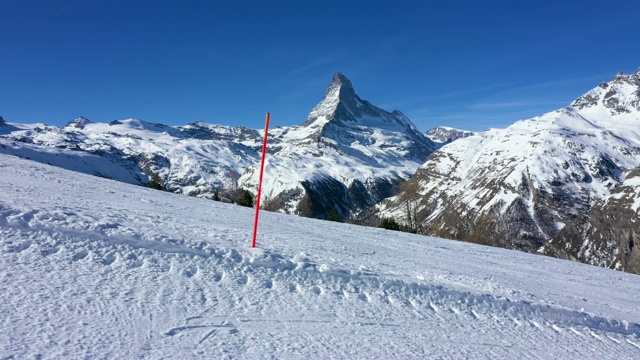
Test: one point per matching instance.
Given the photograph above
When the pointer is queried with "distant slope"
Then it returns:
(518, 187)
(93, 268)
(442, 135)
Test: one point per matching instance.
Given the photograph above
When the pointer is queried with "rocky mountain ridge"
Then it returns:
(608, 235)
(519, 187)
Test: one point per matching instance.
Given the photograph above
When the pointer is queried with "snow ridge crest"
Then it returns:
(339, 92)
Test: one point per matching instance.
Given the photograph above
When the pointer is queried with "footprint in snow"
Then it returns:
(268, 284)
(217, 277)
(80, 255)
(49, 251)
(18, 248)
(109, 259)
(190, 271)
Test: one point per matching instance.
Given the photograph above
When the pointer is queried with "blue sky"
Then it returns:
(466, 64)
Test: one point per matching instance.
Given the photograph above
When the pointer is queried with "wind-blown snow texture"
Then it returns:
(93, 268)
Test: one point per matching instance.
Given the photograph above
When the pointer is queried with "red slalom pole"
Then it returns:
(264, 154)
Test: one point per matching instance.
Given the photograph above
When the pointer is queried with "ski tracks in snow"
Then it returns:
(238, 302)
(90, 280)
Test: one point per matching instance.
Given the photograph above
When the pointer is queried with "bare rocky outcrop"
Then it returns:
(608, 235)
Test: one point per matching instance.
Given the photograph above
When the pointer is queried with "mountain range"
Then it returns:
(564, 183)
(347, 156)
(538, 184)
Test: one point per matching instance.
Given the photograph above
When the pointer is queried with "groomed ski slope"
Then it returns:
(93, 268)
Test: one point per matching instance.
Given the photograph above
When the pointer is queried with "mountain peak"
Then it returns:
(340, 94)
(2, 122)
(341, 81)
(78, 123)
(629, 78)
(621, 95)
(341, 89)
(345, 118)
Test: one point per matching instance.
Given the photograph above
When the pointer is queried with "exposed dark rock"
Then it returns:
(607, 235)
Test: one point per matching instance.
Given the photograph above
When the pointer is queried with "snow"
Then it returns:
(442, 134)
(93, 268)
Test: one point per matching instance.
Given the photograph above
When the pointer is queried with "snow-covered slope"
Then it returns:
(348, 155)
(188, 162)
(519, 186)
(93, 268)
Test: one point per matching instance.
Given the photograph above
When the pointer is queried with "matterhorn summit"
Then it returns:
(343, 120)
(339, 101)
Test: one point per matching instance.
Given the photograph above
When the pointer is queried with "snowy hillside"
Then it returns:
(348, 155)
(518, 187)
(193, 160)
(93, 268)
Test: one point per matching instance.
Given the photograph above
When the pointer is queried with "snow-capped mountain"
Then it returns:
(518, 187)
(78, 123)
(348, 155)
(443, 135)
(132, 150)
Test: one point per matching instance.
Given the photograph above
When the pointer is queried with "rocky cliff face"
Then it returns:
(518, 187)
(608, 235)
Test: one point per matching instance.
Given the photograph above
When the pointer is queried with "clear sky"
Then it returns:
(466, 64)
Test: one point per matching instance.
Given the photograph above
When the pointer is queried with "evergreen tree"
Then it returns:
(390, 224)
(245, 198)
(216, 196)
(156, 182)
(334, 216)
